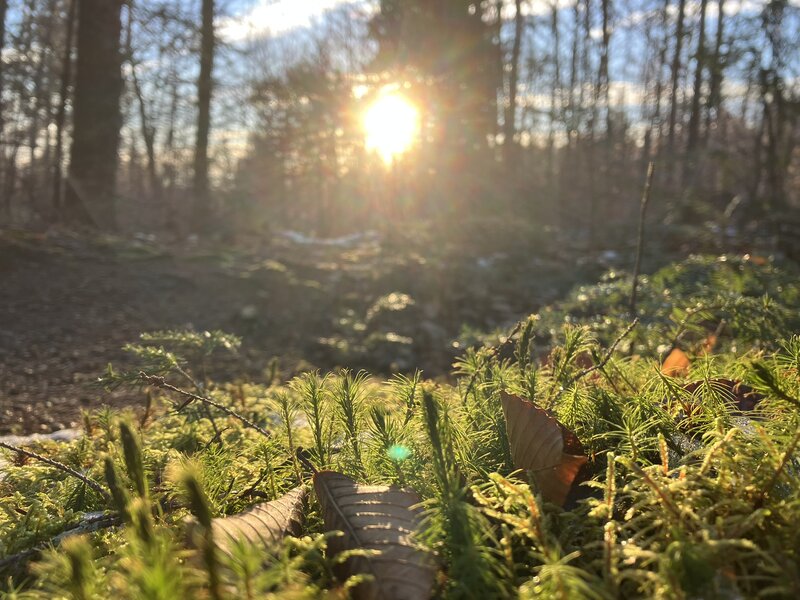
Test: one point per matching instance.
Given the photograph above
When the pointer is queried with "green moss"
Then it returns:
(682, 496)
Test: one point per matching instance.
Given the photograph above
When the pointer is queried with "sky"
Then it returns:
(253, 18)
(277, 17)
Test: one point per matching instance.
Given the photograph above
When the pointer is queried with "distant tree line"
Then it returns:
(151, 115)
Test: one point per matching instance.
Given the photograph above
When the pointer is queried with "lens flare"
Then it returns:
(391, 124)
(398, 453)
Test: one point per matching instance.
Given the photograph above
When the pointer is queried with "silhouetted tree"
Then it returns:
(61, 111)
(96, 115)
(204, 91)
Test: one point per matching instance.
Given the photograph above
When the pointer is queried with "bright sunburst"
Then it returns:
(391, 124)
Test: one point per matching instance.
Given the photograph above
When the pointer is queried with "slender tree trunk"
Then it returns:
(41, 104)
(556, 100)
(7, 198)
(148, 136)
(10, 177)
(588, 76)
(500, 58)
(602, 102)
(171, 217)
(697, 93)
(510, 117)
(602, 74)
(61, 113)
(676, 70)
(204, 91)
(3, 11)
(717, 67)
(573, 77)
(775, 127)
(693, 138)
(148, 132)
(662, 61)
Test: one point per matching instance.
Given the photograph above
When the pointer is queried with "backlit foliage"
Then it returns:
(683, 495)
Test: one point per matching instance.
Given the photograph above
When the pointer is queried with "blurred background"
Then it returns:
(329, 117)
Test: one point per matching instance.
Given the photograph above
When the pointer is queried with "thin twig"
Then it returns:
(493, 351)
(160, 382)
(651, 167)
(88, 525)
(605, 358)
(61, 467)
(200, 390)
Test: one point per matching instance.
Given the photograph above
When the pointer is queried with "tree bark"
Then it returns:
(7, 197)
(61, 113)
(556, 99)
(3, 11)
(510, 117)
(572, 124)
(602, 75)
(693, 138)
(148, 131)
(697, 93)
(676, 69)
(97, 118)
(717, 67)
(204, 91)
(656, 121)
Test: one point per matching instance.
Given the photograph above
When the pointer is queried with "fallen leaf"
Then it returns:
(676, 364)
(709, 343)
(541, 445)
(264, 524)
(382, 519)
(757, 260)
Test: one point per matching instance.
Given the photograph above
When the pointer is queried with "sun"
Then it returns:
(391, 124)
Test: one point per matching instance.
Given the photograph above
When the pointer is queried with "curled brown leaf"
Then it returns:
(542, 446)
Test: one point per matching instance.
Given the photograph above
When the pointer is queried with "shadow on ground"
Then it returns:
(68, 305)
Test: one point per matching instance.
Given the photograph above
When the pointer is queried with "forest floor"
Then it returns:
(68, 305)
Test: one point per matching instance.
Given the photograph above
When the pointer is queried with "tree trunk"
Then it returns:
(697, 93)
(7, 198)
(717, 67)
(3, 11)
(556, 100)
(656, 122)
(148, 131)
(587, 74)
(204, 90)
(602, 75)
(693, 139)
(572, 125)
(61, 113)
(676, 69)
(510, 117)
(97, 119)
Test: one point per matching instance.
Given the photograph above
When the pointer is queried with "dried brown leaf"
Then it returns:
(708, 344)
(382, 519)
(541, 445)
(676, 364)
(264, 524)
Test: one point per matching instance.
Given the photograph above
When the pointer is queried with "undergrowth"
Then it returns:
(684, 495)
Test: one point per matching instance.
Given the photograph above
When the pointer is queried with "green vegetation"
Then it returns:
(690, 487)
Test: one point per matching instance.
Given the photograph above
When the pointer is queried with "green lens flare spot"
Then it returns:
(399, 453)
